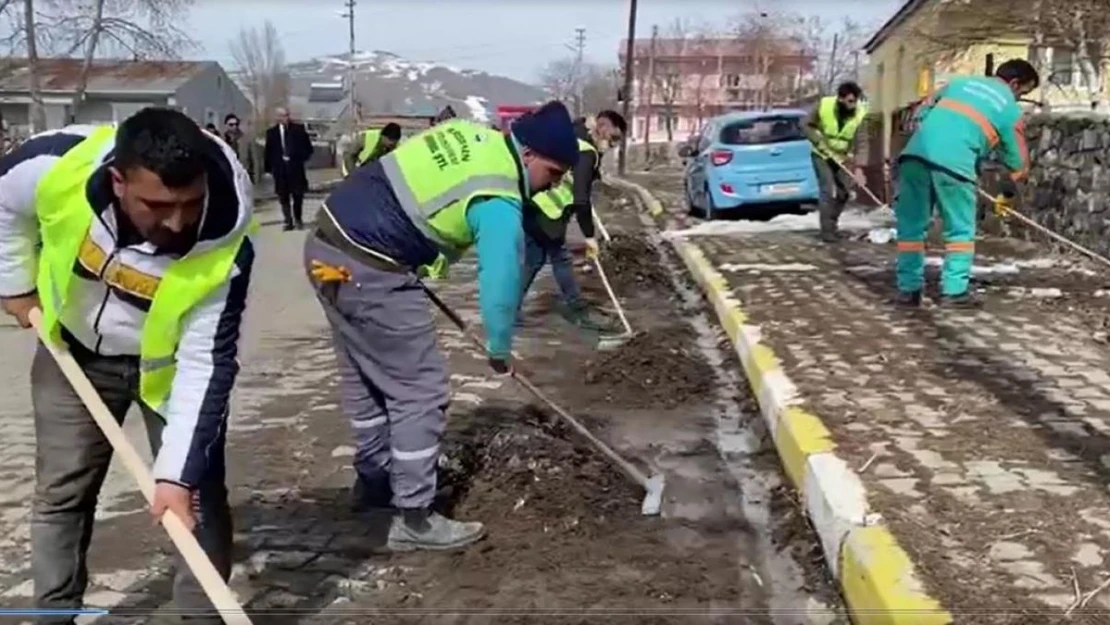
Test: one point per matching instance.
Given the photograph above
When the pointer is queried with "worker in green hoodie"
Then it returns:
(959, 127)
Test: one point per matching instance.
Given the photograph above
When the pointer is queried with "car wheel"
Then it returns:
(710, 210)
(691, 206)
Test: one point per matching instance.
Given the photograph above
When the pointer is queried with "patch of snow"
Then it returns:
(999, 269)
(478, 110)
(850, 220)
(760, 267)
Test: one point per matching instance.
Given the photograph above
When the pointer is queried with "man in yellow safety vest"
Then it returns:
(832, 128)
(545, 225)
(133, 243)
(456, 186)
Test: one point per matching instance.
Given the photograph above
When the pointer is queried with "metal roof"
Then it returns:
(105, 76)
(904, 12)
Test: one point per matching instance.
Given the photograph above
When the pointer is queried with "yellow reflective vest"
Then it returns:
(838, 139)
(65, 216)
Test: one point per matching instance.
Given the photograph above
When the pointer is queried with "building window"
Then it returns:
(732, 94)
(1062, 67)
(730, 80)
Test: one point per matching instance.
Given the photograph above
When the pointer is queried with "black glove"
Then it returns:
(1008, 188)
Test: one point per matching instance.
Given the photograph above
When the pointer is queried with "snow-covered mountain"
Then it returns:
(387, 83)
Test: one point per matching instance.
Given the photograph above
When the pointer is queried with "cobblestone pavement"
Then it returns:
(299, 548)
(983, 436)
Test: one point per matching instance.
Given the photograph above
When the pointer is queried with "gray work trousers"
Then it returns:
(833, 184)
(393, 379)
(71, 462)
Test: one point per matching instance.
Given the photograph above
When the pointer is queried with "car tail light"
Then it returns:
(727, 188)
(721, 157)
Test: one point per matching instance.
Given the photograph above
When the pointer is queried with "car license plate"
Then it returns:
(780, 189)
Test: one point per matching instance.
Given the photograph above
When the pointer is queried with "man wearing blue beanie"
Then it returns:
(408, 214)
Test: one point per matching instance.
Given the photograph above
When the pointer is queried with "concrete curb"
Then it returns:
(875, 575)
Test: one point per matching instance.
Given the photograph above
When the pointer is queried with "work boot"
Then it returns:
(966, 301)
(911, 299)
(424, 529)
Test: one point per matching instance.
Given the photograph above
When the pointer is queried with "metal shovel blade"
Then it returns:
(653, 497)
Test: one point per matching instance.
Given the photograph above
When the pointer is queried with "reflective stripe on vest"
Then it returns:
(370, 140)
(837, 137)
(437, 173)
(554, 202)
(65, 217)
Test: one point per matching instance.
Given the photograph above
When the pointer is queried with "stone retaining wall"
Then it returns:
(1068, 190)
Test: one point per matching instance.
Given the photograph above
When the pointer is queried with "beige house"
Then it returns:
(927, 42)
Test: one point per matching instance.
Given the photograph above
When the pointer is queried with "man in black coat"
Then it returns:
(288, 148)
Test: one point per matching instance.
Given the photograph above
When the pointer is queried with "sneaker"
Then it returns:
(910, 299)
(423, 529)
(966, 301)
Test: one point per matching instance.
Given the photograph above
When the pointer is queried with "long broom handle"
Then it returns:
(1043, 230)
(629, 469)
(214, 586)
(612, 296)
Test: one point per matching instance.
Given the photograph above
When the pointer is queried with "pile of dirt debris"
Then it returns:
(632, 263)
(661, 367)
(565, 533)
(531, 464)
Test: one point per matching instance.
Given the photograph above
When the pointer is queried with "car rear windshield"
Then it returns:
(763, 130)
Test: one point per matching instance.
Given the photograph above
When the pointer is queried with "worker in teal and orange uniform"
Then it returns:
(959, 126)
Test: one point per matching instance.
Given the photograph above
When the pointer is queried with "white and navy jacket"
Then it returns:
(108, 304)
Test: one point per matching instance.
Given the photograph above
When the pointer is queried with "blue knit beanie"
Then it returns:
(549, 132)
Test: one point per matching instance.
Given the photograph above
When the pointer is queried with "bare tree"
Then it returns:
(260, 61)
(671, 69)
(775, 43)
(836, 49)
(560, 78)
(1068, 36)
(38, 111)
(600, 85)
(138, 29)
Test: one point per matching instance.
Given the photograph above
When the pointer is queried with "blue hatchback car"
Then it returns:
(750, 159)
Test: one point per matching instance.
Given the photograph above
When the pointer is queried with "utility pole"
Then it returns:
(832, 62)
(650, 92)
(350, 15)
(629, 51)
(579, 51)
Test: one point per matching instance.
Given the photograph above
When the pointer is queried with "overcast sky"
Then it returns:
(509, 37)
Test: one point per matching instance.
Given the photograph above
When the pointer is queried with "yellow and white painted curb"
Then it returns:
(875, 575)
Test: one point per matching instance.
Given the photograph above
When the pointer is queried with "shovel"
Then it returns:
(653, 486)
(214, 586)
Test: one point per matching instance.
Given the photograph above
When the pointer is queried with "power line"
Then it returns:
(580, 48)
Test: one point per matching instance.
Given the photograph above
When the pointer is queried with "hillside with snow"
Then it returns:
(387, 83)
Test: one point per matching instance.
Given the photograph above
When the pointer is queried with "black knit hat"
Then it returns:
(549, 132)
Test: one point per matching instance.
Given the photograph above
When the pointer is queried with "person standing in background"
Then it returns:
(287, 150)
(233, 136)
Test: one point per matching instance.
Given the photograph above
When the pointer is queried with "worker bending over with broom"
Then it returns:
(142, 274)
(413, 212)
(959, 127)
(545, 223)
